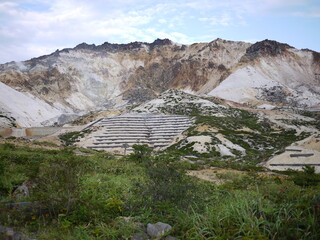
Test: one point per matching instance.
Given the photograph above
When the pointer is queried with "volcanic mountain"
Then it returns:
(51, 89)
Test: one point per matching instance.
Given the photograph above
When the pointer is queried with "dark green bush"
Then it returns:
(166, 186)
(307, 178)
(58, 182)
(142, 153)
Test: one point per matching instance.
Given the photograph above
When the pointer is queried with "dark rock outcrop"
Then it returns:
(265, 48)
(113, 47)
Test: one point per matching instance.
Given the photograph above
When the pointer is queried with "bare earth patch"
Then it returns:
(216, 175)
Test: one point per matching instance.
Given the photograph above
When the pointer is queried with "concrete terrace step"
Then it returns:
(146, 116)
(147, 129)
(115, 119)
(130, 142)
(148, 122)
(142, 131)
(144, 125)
(158, 134)
(121, 146)
(157, 131)
(130, 138)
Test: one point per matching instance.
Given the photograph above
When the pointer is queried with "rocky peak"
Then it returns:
(110, 47)
(113, 47)
(265, 48)
(85, 46)
(161, 42)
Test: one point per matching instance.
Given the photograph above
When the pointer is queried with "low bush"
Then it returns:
(308, 177)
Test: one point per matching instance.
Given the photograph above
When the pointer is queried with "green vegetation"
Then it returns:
(297, 123)
(102, 197)
(251, 132)
(71, 138)
(259, 137)
(45, 144)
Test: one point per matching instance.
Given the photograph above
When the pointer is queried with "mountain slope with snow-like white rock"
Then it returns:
(90, 78)
(289, 79)
(27, 110)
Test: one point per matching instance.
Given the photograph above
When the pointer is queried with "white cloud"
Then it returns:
(162, 21)
(223, 20)
(30, 28)
(63, 24)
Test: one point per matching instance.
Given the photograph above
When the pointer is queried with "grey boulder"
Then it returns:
(158, 230)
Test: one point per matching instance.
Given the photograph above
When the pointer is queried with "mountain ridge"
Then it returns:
(89, 77)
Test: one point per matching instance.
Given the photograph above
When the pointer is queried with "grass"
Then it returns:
(101, 197)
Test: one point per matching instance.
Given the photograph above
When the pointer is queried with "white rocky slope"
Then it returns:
(289, 79)
(27, 110)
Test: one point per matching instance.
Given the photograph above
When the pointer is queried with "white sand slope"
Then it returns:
(25, 108)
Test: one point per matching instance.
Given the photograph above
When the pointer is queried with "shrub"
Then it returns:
(307, 178)
(71, 138)
(141, 153)
(58, 183)
(166, 186)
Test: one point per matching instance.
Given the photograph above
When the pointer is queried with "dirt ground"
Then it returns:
(214, 174)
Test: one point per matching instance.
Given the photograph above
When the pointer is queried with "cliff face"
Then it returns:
(275, 73)
(90, 77)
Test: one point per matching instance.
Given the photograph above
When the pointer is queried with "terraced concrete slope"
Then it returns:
(302, 153)
(118, 134)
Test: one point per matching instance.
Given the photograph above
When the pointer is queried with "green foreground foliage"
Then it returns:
(101, 197)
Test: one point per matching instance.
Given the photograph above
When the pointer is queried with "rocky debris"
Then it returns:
(140, 236)
(276, 94)
(24, 190)
(263, 48)
(153, 231)
(20, 192)
(158, 229)
(7, 233)
(138, 95)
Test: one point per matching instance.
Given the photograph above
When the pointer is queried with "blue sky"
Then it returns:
(30, 28)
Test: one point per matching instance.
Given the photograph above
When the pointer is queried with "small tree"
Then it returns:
(141, 153)
(58, 183)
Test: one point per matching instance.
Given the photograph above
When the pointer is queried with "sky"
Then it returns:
(31, 28)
